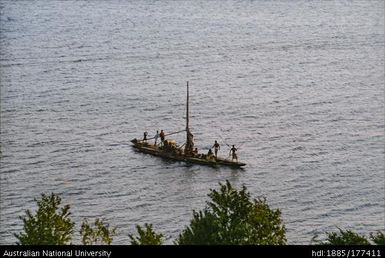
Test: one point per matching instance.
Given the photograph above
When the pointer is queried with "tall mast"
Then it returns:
(187, 111)
(189, 137)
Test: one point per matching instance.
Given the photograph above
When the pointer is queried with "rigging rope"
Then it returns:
(176, 132)
(168, 134)
(228, 145)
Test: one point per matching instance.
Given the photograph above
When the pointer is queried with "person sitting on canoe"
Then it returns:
(195, 152)
(162, 135)
(216, 148)
(234, 155)
(210, 154)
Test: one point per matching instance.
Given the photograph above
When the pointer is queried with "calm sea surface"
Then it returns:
(298, 85)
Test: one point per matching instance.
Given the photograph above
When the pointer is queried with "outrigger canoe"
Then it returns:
(171, 151)
(200, 159)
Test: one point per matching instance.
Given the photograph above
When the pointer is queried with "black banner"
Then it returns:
(115, 251)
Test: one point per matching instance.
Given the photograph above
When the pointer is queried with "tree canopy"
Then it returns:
(147, 236)
(99, 233)
(231, 217)
(50, 225)
(349, 237)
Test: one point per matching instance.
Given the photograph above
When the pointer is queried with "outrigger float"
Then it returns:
(169, 150)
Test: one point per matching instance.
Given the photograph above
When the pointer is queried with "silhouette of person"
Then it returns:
(162, 136)
(234, 154)
(216, 147)
(156, 136)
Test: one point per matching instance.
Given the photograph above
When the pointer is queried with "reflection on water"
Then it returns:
(298, 85)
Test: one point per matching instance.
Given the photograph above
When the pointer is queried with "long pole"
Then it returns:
(187, 111)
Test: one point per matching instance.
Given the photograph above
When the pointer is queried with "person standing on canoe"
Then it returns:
(216, 148)
(145, 136)
(156, 137)
(162, 135)
(234, 155)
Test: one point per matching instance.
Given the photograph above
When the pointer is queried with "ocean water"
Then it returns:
(297, 85)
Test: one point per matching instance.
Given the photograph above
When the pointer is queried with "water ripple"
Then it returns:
(297, 85)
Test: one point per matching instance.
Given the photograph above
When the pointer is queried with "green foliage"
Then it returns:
(50, 225)
(146, 236)
(232, 218)
(348, 237)
(378, 238)
(101, 233)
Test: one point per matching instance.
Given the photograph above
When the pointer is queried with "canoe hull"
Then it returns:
(156, 151)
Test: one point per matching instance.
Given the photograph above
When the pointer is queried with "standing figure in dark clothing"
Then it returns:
(162, 135)
(216, 148)
(156, 136)
(233, 153)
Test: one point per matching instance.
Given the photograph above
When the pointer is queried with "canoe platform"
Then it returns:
(176, 155)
